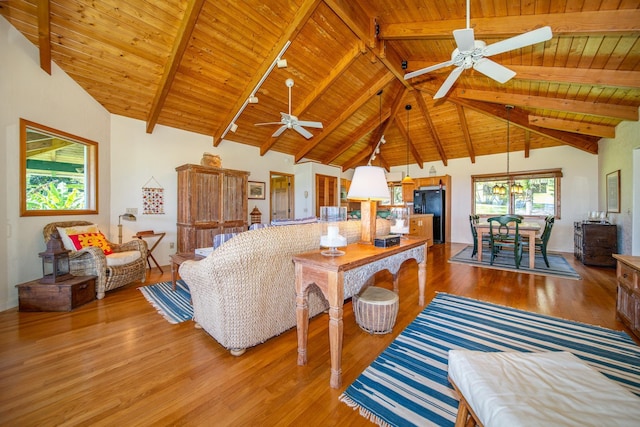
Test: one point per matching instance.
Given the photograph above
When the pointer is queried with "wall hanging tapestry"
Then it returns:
(152, 198)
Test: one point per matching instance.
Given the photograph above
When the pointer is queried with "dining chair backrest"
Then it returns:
(548, 225)
(504, 227)
(473, 220)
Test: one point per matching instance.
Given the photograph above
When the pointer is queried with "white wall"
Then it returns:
(138, 157)
(51, 100)
(579, 187)
(614, 154)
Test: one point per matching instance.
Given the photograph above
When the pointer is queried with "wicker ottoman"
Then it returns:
(376, 310)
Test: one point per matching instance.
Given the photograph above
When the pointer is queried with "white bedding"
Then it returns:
(540, 389)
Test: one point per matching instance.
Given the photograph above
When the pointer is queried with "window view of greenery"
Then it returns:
(58, 172)
(528, 196)
(395, 190)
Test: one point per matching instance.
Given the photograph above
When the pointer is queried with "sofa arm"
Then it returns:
(133, 245)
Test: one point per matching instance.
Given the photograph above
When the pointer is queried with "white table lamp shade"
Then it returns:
(369, 183)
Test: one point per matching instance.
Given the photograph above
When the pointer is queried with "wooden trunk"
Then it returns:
(595, 243)
(61, 296)
(210, 201)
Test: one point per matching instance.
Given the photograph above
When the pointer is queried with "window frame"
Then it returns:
(509, 178)
(90, 172)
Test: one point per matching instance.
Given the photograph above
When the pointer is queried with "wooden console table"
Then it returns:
(347, 274)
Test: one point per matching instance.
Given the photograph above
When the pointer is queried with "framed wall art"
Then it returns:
(613, 192)
(256, 190)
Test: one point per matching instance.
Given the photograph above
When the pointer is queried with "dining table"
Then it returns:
(526, 229)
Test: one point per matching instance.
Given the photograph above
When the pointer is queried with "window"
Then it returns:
(59, 172)
(395, 191)
(540, 194)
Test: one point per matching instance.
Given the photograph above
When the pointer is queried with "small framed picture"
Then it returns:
(256, 190)
(613, 192)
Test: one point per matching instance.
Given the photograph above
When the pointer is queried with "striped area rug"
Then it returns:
(407, 384)
(173, 306)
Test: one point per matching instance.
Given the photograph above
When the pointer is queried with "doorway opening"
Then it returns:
(281, 200)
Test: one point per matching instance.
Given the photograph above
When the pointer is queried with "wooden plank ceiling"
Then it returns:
(194, 64)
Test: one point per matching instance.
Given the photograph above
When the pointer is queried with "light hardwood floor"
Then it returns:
(117, 362)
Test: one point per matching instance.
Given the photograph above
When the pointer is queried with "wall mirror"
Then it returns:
(58, 172)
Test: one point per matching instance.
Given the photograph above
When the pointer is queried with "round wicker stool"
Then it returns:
(376, 310)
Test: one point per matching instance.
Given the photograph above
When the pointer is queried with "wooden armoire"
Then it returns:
(210, 201)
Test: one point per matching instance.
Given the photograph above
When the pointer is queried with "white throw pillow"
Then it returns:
(79, 229)
(122, 258)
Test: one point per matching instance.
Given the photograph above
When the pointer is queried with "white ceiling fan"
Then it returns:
(290, 121)
(473, 53)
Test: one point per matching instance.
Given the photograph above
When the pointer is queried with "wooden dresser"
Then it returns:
(210, 201)
(628, 300)
(595, 243)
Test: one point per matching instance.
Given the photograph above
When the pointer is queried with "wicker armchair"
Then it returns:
(92, 261)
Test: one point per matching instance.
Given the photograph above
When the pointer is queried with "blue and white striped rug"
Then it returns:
(173, 306)
(407, 384)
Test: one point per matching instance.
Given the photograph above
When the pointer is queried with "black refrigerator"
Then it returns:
(432, 201)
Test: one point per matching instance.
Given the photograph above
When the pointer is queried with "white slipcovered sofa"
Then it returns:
(243, 293)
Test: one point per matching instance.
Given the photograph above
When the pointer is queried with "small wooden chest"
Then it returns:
(62, 296)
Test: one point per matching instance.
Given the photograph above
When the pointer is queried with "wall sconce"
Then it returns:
(126, 217)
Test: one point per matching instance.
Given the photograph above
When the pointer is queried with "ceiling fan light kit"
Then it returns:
(472, 53)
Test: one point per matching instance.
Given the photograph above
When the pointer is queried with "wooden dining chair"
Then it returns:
(541, 242)
(504, 233)
(473, 220)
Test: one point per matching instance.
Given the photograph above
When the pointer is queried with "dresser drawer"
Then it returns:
(628, 276)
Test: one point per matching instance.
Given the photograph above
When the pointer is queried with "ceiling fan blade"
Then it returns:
(279, 131)
(494, 70)
(308, 124)
(427, 70)
(302, 131)
(267, 123)
(464, 39)
(525, 39)
(451, 79)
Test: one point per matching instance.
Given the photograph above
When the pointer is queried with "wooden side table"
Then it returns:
(179, 258)
(145, 234)
(61, 296)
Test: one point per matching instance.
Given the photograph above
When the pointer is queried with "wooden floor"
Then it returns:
(117, 362)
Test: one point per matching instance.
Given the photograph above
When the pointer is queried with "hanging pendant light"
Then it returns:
(501, 190)
(407, 179)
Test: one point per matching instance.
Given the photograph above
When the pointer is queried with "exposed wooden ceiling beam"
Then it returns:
(356, 18)
(607, 78)
(573, 126)
(171, 67)
(357, 159)
(384, 126)
(527, 143)
(319, 89)
(373, 89)
(465, 132)
(360, 132)
(417, 158)
(576, 23)
(301, 17)
(422, 105)
(44, 35)
(621, 112)
(521, 119)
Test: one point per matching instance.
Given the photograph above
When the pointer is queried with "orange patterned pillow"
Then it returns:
(91, 239)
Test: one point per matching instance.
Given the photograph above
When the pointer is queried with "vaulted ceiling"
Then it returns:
(193, 65)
